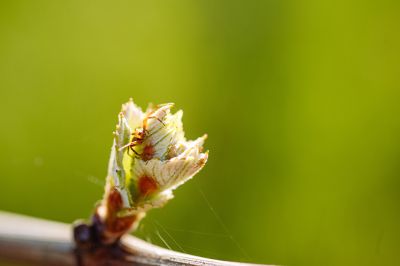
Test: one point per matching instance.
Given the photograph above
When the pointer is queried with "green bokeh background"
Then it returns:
(300, 100)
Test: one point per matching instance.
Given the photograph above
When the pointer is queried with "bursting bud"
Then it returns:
(150, 157)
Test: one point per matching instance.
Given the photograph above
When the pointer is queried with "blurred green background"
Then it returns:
(300, 100)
